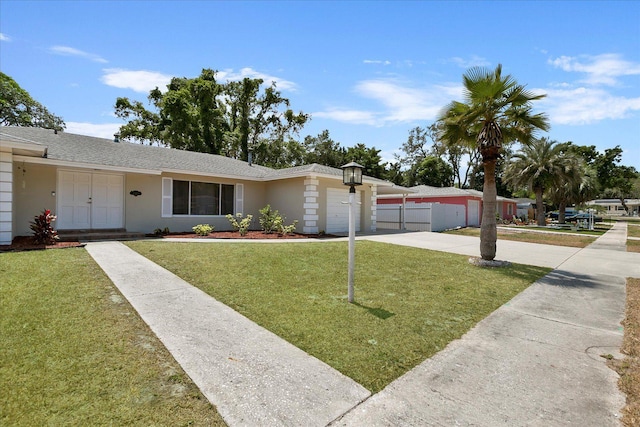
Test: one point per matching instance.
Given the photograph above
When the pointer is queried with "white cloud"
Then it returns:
(231, 75)
(106, 130)
(599, 69)
(397, 102)
(139, 80)
(376, 61)
(474, 61)
(405, 103)
(348, 116)
(583, 105)
(70, 51)
(4, 37)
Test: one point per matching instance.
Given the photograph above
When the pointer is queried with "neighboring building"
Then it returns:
(614, 207)
(95, 183)
(526, 208)
(470, 200)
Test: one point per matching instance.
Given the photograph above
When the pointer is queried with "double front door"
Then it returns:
(88, 200)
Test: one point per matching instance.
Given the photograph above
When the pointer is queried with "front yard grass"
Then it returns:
(74, 352)
(633, 230)
(410, 303)
(558, 238)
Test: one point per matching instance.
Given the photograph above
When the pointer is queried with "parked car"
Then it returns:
(583, 217)
(554, 214)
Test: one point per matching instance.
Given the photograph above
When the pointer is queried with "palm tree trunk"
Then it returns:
(562, 212)
(540, 208)
(488, 231)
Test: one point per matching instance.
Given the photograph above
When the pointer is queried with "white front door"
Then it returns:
(338, 210)
(90, 201)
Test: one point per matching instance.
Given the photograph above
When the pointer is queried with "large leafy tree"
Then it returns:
(616, 180)
(257, 118)
(323, 150)
(18, 108)
(416, 147)
(540, 166)
(496, 111)
(429, 161)
(202, 114)
(280, 153)
(431, 170)
(367, 157)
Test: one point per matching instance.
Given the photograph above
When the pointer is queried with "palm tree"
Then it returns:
(581, 188)
(497, 111)
(540, 166)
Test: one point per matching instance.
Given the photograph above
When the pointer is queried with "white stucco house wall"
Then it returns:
(95, 184)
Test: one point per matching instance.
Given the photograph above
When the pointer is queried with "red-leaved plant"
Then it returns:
(43, 232)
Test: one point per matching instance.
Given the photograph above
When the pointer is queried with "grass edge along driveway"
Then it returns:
(74, 352)
(410, 303)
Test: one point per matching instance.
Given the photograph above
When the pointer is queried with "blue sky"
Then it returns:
(367, 71)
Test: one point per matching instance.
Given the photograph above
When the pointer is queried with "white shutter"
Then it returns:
(167, 197)
(239, 198)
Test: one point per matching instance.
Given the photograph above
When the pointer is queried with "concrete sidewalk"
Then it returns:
(534, 361)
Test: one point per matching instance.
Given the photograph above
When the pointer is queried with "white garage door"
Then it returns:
(473, 215)
(338, 211)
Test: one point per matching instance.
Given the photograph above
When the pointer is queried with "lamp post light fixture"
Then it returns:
(352, 176)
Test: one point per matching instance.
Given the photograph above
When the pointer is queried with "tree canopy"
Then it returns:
(18, 108)
(202, 114)
(540, 166)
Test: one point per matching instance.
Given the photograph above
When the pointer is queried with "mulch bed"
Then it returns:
(236, 235)
(26, 243)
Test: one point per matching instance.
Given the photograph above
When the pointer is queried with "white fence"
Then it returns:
(421, 216)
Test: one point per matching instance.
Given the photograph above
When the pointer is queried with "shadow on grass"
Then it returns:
(380, 313)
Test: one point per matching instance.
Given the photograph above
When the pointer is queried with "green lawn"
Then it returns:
(74, 352)
(633, 230)
(561, 238)
(410, 302)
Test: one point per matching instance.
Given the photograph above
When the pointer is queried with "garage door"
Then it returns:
(338, 211)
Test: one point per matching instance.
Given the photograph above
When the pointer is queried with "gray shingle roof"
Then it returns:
(88, 150)
(313, 168)
(104, 152)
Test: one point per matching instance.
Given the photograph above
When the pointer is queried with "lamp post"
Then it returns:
(352, 176)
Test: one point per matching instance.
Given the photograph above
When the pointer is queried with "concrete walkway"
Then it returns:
(252, 376)
(535, 361)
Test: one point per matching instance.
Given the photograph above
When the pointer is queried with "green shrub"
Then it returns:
(202, 229)
(43, 232)
(272, 222)
(288, 229)
(269, 219)
(239, 223)
(162, 231)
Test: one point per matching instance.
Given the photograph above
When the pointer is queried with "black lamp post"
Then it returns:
(352, 176)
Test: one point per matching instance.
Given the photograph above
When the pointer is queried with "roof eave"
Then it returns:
(81, 165)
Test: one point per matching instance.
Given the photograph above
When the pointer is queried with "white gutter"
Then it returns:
(64, 163)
